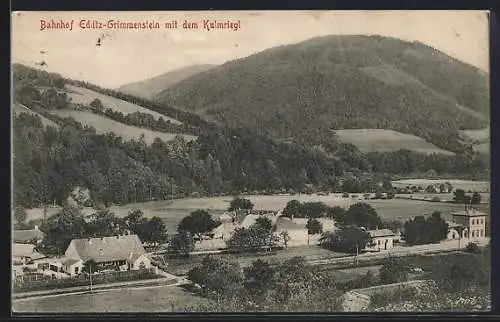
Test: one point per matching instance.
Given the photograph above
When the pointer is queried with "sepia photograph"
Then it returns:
(250, 161)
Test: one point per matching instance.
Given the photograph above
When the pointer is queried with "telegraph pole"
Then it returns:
(90, 267)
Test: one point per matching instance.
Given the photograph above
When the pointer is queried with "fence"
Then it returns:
(84, 280)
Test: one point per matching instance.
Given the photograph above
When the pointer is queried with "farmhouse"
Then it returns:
(23, 254)
(117, 252)
(380, 239)
(27, 236)
(468, 224)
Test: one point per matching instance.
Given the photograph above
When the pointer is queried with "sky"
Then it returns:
(132, 55)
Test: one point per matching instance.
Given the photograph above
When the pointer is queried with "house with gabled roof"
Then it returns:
(122, 252)
(26, 236)
(380, 239)
(24, 253)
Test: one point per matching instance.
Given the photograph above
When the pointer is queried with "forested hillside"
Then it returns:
(303, 91)
(149, 88)
(49, 162)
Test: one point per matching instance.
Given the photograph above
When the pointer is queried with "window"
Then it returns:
(481, 233)
(473, 233)
(76, 270)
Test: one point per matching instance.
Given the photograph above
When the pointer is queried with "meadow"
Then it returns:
(466, 185)
(80, 95)
(378, 140)
(172, 211)
(127, 132)
(19, 108)
(143, 299)
(477, 135)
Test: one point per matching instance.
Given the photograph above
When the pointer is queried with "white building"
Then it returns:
(380, 239)
(469, 225)
(117, 252)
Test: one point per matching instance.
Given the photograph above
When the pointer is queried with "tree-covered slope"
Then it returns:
(342, 82)
(149, 88)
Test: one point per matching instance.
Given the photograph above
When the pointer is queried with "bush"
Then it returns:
(472, 248)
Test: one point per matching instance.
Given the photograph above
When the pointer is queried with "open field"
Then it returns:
(482, 148)
(485, 197)
(377, 140)
(127, 132)
(80, 95)
(19, 108)
(174, 210)
(457, 184)
(143, 299)
(477, 135)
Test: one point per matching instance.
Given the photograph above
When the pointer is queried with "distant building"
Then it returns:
(117, 253)
(468, 224)
(27, 236)
(381, 239)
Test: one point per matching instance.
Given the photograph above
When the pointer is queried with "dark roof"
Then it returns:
(380, 233)
(468, 213)
(108, 249)
(26, 235)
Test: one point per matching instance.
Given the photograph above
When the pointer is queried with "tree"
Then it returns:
(292, 208)
(105, 223)
(286, 238)
(90, 266)
(240, 204)
(259, 277)
(362, 215)
(431, 189)
(182, 243)
(251, 239)
(337, 213)
(199, 222)
(461, 275)
(217, 275)
(313, 209)
(313, 227)
(264, 223)
(346, 240)
(459, 196)
(156, 231)
(61, 228)
(20, 215)
(428, 230)
(393, 270)
(97, 105)
(472, 248)
(476, 198)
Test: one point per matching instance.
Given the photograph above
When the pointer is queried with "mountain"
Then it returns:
(68, 134)
(305, 90)
(150, 87)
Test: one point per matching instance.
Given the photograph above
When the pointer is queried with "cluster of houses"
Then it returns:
(467, 225)
(126, 252)
(115, 253)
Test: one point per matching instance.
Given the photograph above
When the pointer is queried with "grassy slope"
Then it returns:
(149, 88)
(127, 132)
(86, 96)
(340, 82)
(19, 108)
(372, 140)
